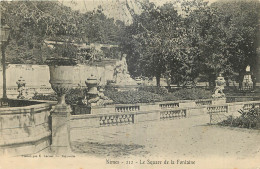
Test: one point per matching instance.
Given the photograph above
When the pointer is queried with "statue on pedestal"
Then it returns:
(121, 74)
(220, 82)
(247, 83)
(21, 88)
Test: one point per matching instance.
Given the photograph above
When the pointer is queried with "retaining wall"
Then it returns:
(25, 130)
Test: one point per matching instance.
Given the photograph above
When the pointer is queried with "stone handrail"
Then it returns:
(169, 105)
(203, 102)
(123, 108)
(127, 108)
(219, 113)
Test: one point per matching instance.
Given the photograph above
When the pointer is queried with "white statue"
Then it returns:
(248, 68)
(247, 83)
(220, 82)
(121, 74)
(21, 88)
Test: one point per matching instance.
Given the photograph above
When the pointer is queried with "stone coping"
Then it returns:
(244, 96)
(37, 106)
(235, 103)
(87, 116)
(24, 140)
(154, 103)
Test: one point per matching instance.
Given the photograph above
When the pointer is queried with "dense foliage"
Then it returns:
(247, 119)
(200, 40)
(182, 41)
(149, 95)
(74, 96)
(143, 95)
(34, 22)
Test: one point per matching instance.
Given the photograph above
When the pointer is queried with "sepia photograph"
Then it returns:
(135, 84)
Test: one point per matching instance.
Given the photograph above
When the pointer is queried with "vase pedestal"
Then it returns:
(60, 116)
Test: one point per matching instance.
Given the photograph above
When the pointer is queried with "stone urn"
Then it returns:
(92, 93)
(62, 78)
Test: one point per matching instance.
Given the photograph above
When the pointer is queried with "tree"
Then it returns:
(32, 22)
(151, 40)
(241, 24)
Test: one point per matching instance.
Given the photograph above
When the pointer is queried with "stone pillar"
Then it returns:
(247, 83)
(60, 115)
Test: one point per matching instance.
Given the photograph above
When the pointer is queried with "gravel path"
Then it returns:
(187, 137)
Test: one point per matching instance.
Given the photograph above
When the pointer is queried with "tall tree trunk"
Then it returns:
(212, 79)
(158, 78)
(240, 79)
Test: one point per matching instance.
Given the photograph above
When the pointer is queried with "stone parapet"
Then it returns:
(25, 130)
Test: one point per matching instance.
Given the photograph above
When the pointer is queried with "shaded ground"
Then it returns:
(189, 137)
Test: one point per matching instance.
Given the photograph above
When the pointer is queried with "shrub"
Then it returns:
(143, 95)
(190, 94)
(72, 97)
(247, 119)
(131, 97)
(154, 89)
(52, 97)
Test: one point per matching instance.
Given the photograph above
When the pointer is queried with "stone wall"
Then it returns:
(25, 130)
(39, 76)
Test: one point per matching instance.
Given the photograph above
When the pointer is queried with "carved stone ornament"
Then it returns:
(61, 89)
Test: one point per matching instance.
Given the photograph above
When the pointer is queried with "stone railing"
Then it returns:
(217, 109)
(231, 99)
(172, 114)
(111, 119)
(123, 108)
(219, 113)
(248, 106)
(25, 130)
(107, 120)
(169, 105)
(203, 102)
(126, 108)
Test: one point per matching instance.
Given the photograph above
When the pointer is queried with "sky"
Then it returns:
(112, 8)
(84, 5)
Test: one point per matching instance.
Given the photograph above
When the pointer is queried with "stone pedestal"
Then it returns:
(60, 114)
(61, 129)
(247, 83)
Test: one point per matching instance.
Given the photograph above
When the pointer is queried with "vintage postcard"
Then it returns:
(144, 84)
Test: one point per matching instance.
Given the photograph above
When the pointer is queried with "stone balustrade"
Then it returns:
(107, 120)
(124, 108)
(219, 113)
(172, 114)
(169, 105)
(250, 105)
(130, 108)
(217, 109)
(203, 102)
(27, 130)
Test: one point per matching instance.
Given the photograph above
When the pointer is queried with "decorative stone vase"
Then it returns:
(92, 93)
(61, 80)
